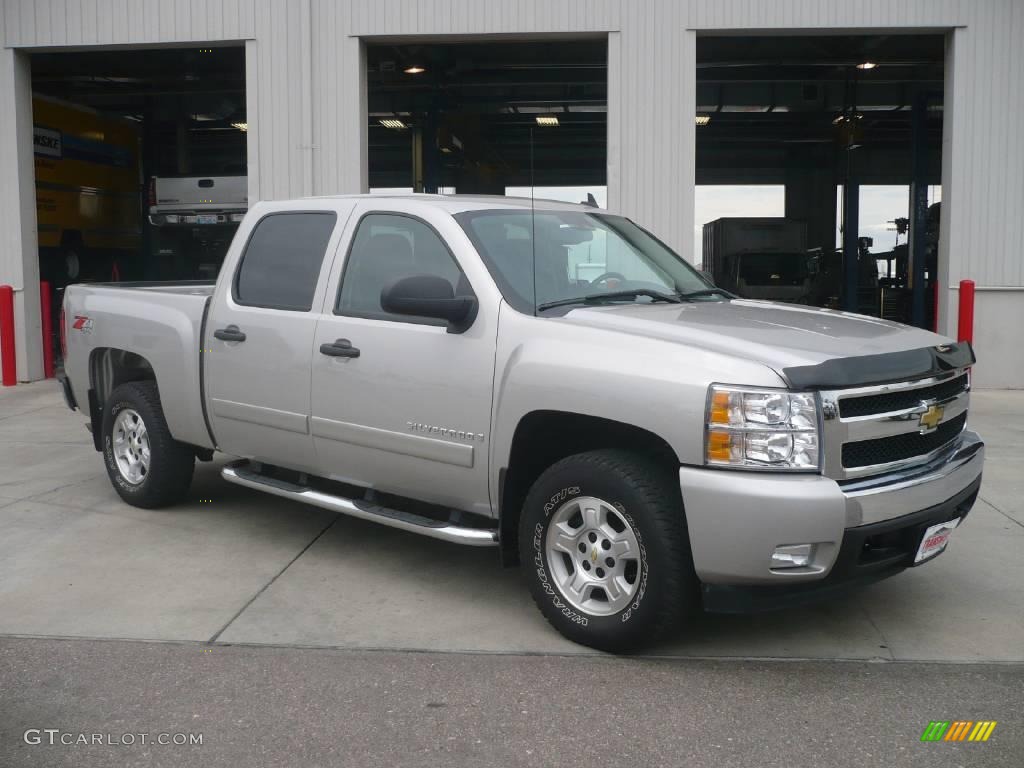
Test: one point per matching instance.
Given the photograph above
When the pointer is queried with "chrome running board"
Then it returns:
(241, 473)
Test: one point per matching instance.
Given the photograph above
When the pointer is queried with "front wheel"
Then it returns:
(147, 467)
(608, 557)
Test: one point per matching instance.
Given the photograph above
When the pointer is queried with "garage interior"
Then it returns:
(489, 118)
(829, 118)
(161, 112)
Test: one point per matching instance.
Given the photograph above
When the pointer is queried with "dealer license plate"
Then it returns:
(206, 218)
(935, 540)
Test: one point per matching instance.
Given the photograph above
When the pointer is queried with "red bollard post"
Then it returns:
(8, 364)
(45, 310)
(965, 329)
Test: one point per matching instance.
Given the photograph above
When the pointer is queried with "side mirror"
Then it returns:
(429, 296)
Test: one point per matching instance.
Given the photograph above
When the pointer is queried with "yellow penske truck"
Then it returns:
(88, 194)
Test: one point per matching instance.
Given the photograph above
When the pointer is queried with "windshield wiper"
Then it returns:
(597, 298)
(705, 292)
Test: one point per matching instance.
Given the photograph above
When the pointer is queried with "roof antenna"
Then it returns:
(533, 228)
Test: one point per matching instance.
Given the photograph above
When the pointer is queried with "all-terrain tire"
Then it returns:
(170, 464)
(645, 495)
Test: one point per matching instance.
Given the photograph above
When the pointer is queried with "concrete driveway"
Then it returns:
(233, 566)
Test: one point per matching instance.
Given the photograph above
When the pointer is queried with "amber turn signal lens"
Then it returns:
(720, 408)
(719, 444)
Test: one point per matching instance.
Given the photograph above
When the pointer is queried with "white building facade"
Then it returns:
(306, 106)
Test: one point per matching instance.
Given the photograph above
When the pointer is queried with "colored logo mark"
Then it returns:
(958, 730)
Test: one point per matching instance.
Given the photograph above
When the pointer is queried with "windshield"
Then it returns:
(772, 268)
(578, 255)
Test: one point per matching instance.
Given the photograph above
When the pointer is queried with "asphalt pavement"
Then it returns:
(269, 706)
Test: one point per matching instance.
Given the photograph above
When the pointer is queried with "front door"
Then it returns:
(410, 414)
(259, 337)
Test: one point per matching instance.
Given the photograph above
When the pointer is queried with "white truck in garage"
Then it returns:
(642, 441)
(194, 219)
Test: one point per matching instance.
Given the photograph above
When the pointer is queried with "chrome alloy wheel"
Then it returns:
(594, 556)
(131, 446)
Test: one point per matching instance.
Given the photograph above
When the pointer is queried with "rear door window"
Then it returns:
(281, 263)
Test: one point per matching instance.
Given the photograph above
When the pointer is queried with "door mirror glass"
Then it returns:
(429, 296)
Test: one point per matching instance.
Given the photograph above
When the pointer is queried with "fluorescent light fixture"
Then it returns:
(392, 122)
(549, 120)
(703, 119)
(241, 126)
(867, 65)
(414, 70)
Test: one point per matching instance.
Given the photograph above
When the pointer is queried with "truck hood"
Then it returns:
(778, 335)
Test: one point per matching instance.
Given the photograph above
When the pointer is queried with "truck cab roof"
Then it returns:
(456, 203)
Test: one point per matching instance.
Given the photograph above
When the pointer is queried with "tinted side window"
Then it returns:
(385, 248)
(282, 259)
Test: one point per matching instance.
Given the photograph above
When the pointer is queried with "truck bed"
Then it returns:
(161, 322)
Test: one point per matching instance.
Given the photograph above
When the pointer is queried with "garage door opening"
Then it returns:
(490, 118)
(851, 128)
(140, 162)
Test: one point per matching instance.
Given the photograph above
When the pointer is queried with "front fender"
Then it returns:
(657, 385)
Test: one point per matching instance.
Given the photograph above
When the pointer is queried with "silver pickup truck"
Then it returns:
(643, 442)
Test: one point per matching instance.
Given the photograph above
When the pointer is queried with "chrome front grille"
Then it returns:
(900, 399)
(876, 429)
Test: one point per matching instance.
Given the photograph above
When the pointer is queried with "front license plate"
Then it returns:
(935, 540)
(206, 219)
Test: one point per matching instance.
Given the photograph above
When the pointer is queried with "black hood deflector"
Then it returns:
(844, 372)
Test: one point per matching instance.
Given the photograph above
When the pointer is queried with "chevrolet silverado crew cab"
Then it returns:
(641, 441)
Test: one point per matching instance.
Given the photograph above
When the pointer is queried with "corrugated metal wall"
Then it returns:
(307, 91)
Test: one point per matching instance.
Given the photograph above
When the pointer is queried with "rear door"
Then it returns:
(259, 336)
(410, 414)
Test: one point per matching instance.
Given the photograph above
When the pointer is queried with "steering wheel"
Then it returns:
(603, 278)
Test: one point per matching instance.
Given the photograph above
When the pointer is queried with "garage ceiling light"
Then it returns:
(549, 120)
(867, 65)
(241, 126)
(414, 70)
(849, 117)
(393, 122)
(703, 119)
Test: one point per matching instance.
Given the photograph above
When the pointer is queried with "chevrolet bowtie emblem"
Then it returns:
(930, 419)
(593, 556)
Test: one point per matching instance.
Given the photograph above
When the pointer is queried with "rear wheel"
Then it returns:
(147, 467)
(609, 561)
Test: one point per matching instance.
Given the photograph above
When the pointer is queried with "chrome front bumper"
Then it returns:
(872, 500)
(737, 519)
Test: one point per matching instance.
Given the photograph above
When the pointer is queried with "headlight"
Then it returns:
(761, 429)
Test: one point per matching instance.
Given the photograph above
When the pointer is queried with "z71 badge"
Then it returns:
(82, 323)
